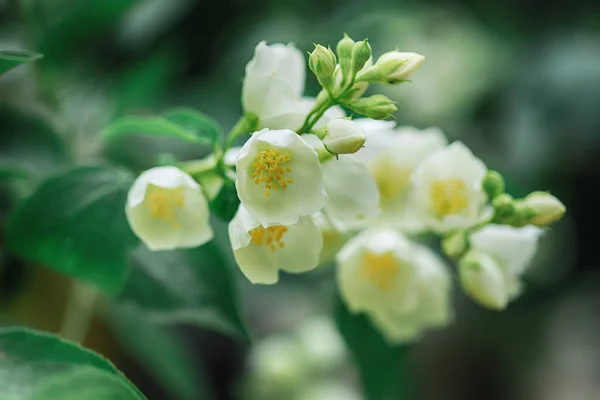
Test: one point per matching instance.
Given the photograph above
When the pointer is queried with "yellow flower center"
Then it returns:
(381, 269)
(448, 196)
(392, 180)
(270, 168)
(162, 202)
(271, 237)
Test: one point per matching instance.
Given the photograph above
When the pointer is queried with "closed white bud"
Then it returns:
(322, 63)
(483, 280)
(377, 106)
(343, 136)
(395, 67)
(547, 208)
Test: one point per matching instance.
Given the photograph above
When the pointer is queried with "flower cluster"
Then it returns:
(315, 184)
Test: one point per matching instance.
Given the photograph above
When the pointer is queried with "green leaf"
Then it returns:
(153, 126)
(379, 364)
(226, 203)
(193, 286)
(75, 223)
(182, 123)
(202, 125)
(12, 59)
(29, 144)
(161, 352)
(41, 366)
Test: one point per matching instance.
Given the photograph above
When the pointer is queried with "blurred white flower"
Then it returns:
(333, 238)
(167, 209)
(273, 88)
(392, 154)
(433, 308)
(261, 251)
(279, 177)
(500, 254)
(448, 188)
(402, 286)
(322, 343)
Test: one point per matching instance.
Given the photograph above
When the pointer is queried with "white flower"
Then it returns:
(261, 251)
(352, 191)
(333, 238)
(449, 189)
(353, 196)
(433, 309)
(375, 271)
(274, 78)
(273, 88)
(499, 256)
(279, 177)
(392, 155)
(343, 136)
(167, 210)
(402, 286)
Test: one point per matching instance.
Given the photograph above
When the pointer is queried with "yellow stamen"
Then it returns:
(448, 196)
(392, 180)
(271, 237)
(381, 269)
(163, 203)
(269, 169)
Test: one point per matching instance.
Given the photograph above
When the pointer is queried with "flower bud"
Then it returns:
(455, 244)
(322, 63)
(377, 106)
(361, 52)
(546, 208)
(482, 279)
(395, 67)
(493, 184)
(344, 52)
(504, 208)
(343, 136)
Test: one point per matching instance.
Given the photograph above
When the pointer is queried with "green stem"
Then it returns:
(79, 312)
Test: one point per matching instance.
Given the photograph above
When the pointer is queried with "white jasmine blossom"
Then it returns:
(448, 189)
(353, 196)
(279, 177)
(273, 88)
(262, 251)
(402, 286)
(167, 209)
(499, 256)
(274, 79)
(433, 308)
(392, 155)
(375, 271)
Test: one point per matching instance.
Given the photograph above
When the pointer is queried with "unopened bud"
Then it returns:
(344, 55)
(493, 184)
(455, 244)
(361, 52)
(522, 214)
(395, 67)
(377, 106)
(545, 207)
(504, 208)
(482, 279)
(343, 136)
(322, 63)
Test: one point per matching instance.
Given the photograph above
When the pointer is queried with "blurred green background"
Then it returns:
(518, 81)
